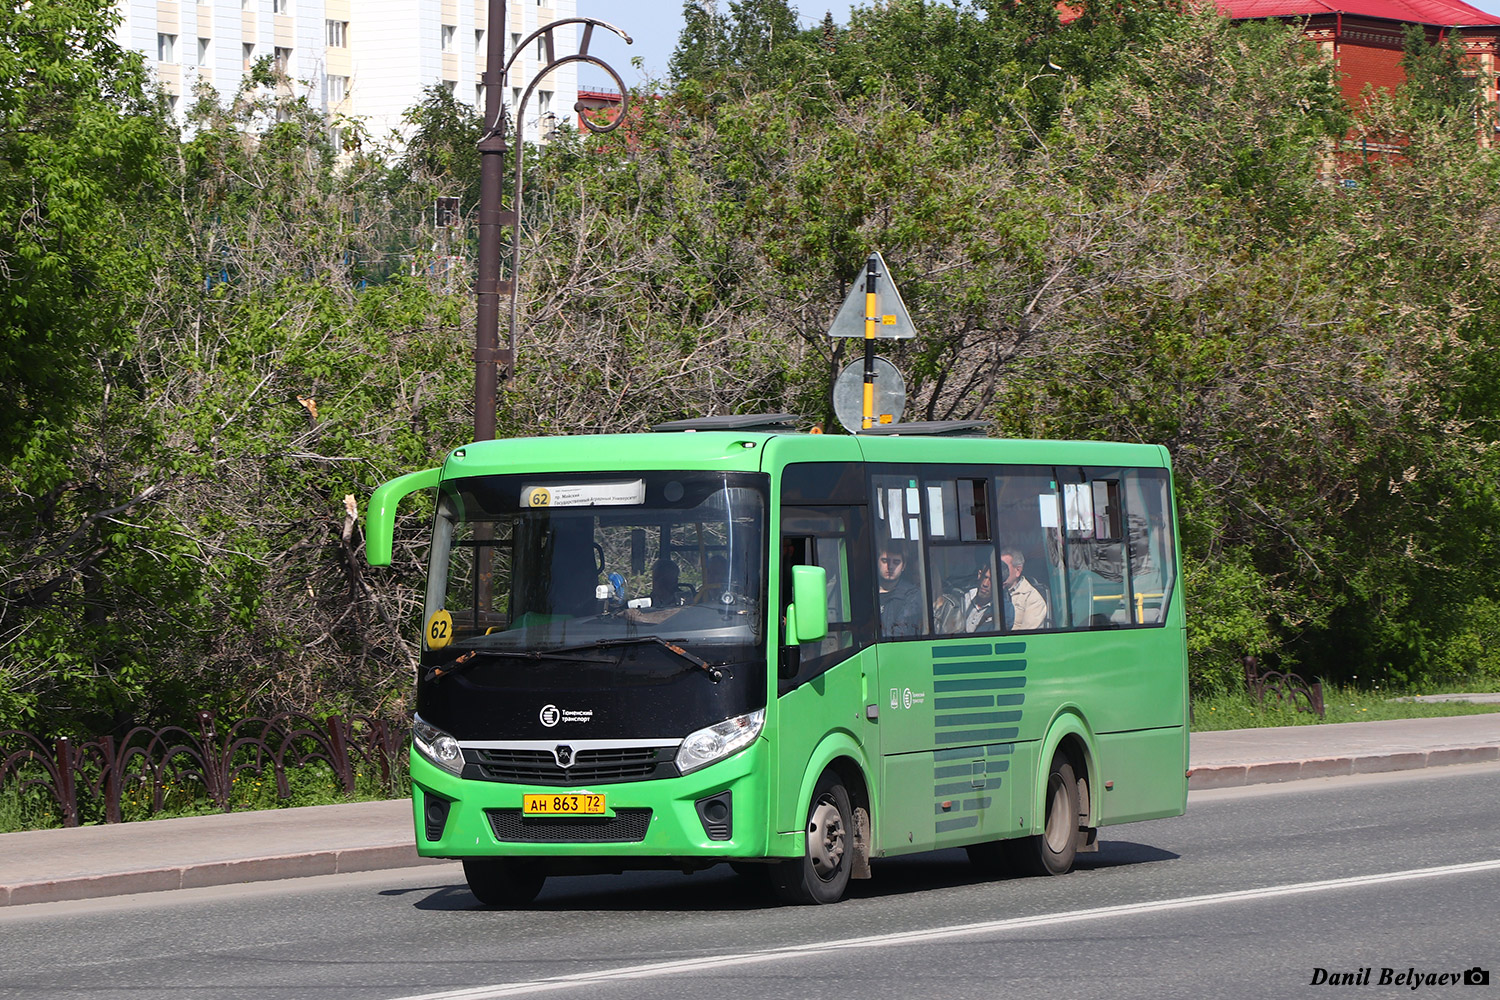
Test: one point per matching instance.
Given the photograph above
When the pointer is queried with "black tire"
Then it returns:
(504, 881)
(822, 873)
(1051, 852)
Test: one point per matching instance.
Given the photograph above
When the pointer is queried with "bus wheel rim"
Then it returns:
(825, 838)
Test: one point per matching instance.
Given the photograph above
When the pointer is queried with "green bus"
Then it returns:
(731, 642)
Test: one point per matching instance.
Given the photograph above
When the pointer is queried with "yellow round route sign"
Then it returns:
(439, 631)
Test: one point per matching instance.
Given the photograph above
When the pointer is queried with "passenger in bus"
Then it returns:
(1030, 606)
(715, 581)
(979, 605)
(947, 612)
(900, 601)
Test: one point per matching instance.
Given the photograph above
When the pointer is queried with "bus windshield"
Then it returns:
(529, 563)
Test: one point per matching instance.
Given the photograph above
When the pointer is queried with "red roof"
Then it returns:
(1439, 13)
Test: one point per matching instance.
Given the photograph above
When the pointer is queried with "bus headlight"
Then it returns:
(719, 741)
(436, 745)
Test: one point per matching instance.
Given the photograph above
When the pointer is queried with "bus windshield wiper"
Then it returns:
(715, 674)
(468, 659)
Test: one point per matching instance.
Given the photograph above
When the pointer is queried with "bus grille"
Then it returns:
(627, 826)
(539, 767)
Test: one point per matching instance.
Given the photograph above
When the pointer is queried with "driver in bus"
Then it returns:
(900, 602)
(664, 578)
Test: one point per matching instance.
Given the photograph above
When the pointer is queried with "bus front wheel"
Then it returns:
(1052, 851)
(822, 873)
(503, 881)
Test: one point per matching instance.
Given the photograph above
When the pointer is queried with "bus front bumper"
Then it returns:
(662, 819)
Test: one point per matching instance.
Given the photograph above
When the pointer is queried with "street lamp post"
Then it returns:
(489, 357)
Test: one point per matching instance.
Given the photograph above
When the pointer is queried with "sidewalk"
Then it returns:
(49, 865)
(1257, 756)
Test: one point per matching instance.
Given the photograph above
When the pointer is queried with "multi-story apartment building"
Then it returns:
(365, 59)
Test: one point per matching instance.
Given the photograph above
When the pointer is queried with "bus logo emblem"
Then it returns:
(564, 755)
(550, 715)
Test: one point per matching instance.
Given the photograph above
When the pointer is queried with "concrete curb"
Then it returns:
(197, 876)
(1270, 772)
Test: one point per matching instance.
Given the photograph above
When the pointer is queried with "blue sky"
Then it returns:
(655, 25)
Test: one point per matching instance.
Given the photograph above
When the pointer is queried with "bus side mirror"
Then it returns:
(807, 617)
(380, 515)
(637, 551)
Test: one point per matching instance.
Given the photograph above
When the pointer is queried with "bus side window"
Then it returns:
(965, 588)
(1028, 528)
(900, 578)
(1093, 516)
(1148, 507)
(962, 575)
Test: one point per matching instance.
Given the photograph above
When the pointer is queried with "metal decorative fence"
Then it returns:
(147, 768)
(1287, 688)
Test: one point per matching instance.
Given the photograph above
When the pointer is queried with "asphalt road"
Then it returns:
(1248, 895)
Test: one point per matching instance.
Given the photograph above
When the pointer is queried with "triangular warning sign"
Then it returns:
(892, 321)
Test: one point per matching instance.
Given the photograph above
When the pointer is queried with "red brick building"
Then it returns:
(1364, 37)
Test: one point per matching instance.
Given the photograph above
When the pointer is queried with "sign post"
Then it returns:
(867, 419)
(873, 310)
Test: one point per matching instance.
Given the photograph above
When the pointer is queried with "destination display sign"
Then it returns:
(584, 494)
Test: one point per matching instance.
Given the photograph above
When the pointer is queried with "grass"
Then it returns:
(1341, 704)
(34, 808)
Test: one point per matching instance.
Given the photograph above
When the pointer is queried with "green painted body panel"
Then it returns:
(963, 729)
(1144, 787)
(1006, 452)
(1001, 707)
(950, 714)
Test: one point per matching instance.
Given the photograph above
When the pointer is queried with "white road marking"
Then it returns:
(682, 966)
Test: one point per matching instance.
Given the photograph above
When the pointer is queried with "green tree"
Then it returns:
(198, 551)
(757, 29)
(702, 44)
(80, 146)
(1440, 78)
(442, 153)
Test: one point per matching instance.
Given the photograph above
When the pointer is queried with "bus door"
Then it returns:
(822, 686)
(824, 536)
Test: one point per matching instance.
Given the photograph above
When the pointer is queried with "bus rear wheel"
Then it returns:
(1051, 852)
(504, 881)
(822, 873)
